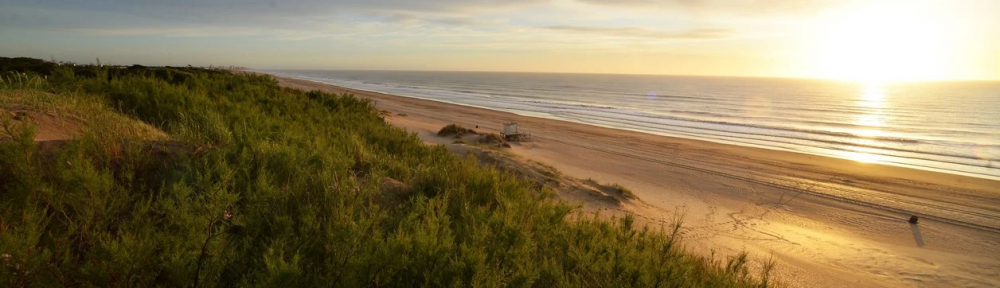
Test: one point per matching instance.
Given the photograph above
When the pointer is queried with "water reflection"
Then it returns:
(864, 155)
(871, 103)
(873, 96)
(870, 121)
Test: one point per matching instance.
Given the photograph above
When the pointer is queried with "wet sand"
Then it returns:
(827, 222)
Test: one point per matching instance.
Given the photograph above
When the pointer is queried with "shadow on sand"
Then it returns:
(916, 235)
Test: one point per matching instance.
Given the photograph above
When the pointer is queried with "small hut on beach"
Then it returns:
(510, 133)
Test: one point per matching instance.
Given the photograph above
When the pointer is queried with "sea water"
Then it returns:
(951, 127)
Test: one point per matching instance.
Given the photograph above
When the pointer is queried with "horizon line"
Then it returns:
(642, 74)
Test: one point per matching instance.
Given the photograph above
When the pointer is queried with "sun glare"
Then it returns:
(882, 42)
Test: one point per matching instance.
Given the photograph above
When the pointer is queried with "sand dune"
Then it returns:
(827, 222)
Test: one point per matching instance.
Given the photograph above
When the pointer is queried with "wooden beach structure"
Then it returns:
(511, 134)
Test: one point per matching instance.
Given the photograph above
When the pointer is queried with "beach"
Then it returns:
(826, 222)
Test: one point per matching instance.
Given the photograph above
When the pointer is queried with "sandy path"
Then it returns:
(827, 222)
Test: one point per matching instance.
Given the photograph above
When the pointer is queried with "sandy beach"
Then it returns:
(827, 222)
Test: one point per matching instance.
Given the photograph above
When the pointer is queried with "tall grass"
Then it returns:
(282, 189)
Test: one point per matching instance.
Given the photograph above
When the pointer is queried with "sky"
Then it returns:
(875, 40)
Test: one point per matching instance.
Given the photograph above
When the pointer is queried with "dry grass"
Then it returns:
(57, 117)
(454, 130)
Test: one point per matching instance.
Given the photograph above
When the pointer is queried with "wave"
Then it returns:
(831, 144)
(972, 148)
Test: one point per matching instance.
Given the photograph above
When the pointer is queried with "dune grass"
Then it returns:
(625, 192)
(283, 190)
(454, 130)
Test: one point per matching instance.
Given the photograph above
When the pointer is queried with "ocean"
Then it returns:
(951, 127)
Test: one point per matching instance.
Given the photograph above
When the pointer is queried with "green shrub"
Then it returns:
(453, 130)
(283, 189)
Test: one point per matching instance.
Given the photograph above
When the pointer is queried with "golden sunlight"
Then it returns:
(884, 41)
(863, 154)
(871, 101)
(861, 157)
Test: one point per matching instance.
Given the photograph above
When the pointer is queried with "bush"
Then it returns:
(625, 192)
(282, 188)
(453, 130)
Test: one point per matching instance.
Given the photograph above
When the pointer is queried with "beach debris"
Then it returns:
(913, 219)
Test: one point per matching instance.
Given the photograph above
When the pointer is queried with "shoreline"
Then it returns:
(918, 163)
(821, 218)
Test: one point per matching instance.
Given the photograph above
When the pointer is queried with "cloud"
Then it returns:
(228, 15)
(689, 3)
(265, 8)
(635, 32)
(421, 18)
(727, 6)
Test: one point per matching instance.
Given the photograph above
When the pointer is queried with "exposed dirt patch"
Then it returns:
(49, 125)
(52, 124)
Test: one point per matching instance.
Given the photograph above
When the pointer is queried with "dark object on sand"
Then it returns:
(913, 219)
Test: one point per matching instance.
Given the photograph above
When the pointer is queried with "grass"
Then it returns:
(613, 188)
(492, 139)
(84, 110)
(625, 192)
(454, 130)
(283, 190)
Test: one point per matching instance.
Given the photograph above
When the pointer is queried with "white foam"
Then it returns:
(890, 149)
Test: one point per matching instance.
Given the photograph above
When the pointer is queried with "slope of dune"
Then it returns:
(827, 222)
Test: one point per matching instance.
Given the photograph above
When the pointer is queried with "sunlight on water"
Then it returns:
(860, 157)
(947, 126)
(874, 119)
(869, 133)
(872, 98)
(873, 95)
(863, 154)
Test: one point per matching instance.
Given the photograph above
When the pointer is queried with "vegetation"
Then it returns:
(454, 130)
(279, 187)
(22, 65)
(625, 192)
(612, 188)
(492, 139)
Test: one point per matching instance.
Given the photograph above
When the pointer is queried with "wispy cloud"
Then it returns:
(727, 6)
(701, 33)
(138, 16)
(689, 3)
(225, 10)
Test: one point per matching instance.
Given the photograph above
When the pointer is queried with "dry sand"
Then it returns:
(827, 222)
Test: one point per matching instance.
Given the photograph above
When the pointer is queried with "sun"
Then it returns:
(883, 41)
